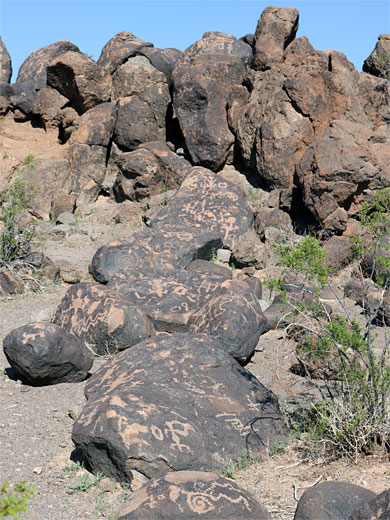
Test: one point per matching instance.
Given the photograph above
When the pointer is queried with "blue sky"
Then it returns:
(349, 26)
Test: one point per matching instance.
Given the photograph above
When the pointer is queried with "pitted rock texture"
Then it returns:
(378, 62)
(209, 96)
(34, 67)
(376, 509)
(168, 298)
(189, 495)
(148, 170)
(46, 354)
(5, 63)
(142, 94)
(206, 211)
(80, 79)
(332, 501)
(232, 314)
(276, 28)
(173, 403)
(119, 49)
(164, 60)
(104, 319)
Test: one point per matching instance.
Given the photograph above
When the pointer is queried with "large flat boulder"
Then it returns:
(174, 403)
(104, 319)
(190, 495)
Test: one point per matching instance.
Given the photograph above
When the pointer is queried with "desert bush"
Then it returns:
(13, 500)
(14, 200)
(339, 353)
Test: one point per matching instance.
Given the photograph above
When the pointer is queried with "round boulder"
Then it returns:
(46, 354)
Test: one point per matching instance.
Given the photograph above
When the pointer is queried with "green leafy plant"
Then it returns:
(231, 467)
(13, 499)
(384, 65)
(85, 482)
(338, 352)
(14, 200)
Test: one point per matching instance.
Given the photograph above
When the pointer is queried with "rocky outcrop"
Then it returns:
(143, 97)
(276, 28)
(376, 509)
(209, 96)
(192, 494)
(79, 79)
(46, 354)
(5, 63)
(378, 62)
(154, 408)
(119, 49)
(34, 68)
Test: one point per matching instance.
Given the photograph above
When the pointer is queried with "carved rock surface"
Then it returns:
(46, 354)
(276, 28)
(205, 212)
(80, 79)
(104, 319)
(173, 403)
(34, 67)
(148, 170)
(331, 501)
(209, 96)
(88, 169)
(167, 298)
(232, 314)
(5, 63)
(191, 495)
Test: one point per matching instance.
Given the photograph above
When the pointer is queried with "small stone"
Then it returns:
(223, 255)
(108, 486)
(138, 481)
(38, 471)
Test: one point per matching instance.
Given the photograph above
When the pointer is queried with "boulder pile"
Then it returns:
(312, 135)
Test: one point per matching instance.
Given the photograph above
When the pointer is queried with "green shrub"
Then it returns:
(14, 200)
(13, 500)
(337, 351)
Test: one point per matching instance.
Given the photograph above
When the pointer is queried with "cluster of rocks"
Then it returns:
(175, 401)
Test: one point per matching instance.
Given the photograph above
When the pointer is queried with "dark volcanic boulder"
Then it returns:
(190, 495)
(47, 105)
(164, 60)
(338, 167)
(205, 266)
(233, 314)
(88, 168)
(119, 49)
(376, 509)
(378, 62)
(34, 67)
(150, 169)
(173, 403)
(206, 211)
(168, 298)
(143, 97)
(96, 126)
(331, 501)
(276, 28)
(104, 319)
(80, 79)
(5, 63)
(209, 96)
(46, 354)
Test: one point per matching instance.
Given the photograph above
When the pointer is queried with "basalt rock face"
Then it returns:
(190, 495)
(119, 49)
(5, 63)
(209, 96)
(154, 408)
(34, 67)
